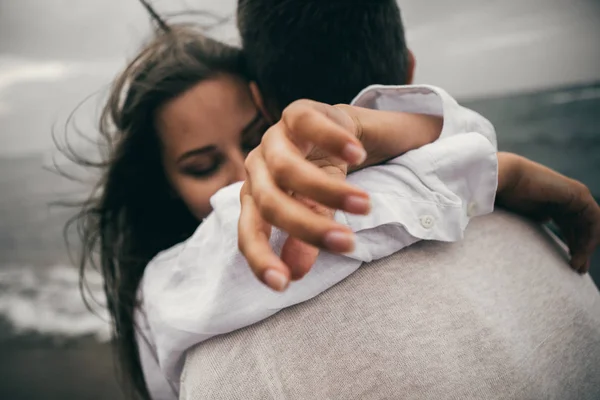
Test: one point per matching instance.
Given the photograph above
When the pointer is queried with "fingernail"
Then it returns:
(357, 205)
(354, 154)
(339, 242)
(275, 280)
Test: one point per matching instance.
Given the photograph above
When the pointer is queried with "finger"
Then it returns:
(299, 257)
(574, 240)
(291, 216)
(581, 243)
(253, 242)
(582, 248)
(586, 231)
(307, 121)
(586, 268)
(292, 172)
(579, 263)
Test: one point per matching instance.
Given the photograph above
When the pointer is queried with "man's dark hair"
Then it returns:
(324, 50)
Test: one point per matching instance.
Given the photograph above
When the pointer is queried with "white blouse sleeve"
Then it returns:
(431, 192)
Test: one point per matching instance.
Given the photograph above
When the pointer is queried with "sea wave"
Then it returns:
(48, 301)
(575, 95)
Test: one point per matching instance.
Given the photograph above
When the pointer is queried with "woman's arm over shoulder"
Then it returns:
(431, 192)
(426, 100)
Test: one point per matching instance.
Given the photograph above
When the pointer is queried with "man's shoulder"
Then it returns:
(438, 320)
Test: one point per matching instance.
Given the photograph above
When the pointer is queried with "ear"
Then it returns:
(259, 102)
(412, 63)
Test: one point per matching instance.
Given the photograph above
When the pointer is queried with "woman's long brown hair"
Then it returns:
(131, 214)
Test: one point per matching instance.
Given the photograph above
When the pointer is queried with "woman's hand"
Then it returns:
(535, 191)
(295, 181)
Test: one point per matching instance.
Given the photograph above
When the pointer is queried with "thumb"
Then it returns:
(299, 257)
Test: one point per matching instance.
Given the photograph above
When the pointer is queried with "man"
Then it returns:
(329, 51)
(498, 315)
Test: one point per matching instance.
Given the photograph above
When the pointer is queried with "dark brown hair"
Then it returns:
(324, 50)
(131, 214)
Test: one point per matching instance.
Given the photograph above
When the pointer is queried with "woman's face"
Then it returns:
(206, 134)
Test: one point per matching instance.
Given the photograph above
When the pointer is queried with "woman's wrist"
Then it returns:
(510, 171)
(387, 134)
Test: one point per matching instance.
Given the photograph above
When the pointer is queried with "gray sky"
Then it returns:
(54, 53)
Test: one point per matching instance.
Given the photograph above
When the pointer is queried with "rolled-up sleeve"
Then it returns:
(431, 192)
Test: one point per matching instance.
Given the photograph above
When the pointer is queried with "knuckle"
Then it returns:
(296, 105)
(580, 192)
(279, 165)
(250, 159)
(267, 135)
(298, 115)
(247, 166)
(584, 190)
(288, 113)
(266, 204)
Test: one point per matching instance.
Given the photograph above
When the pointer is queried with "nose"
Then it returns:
(237, 171)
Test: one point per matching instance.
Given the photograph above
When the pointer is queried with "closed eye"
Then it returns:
(203, 166)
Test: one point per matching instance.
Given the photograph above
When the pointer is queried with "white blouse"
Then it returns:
(203, 287)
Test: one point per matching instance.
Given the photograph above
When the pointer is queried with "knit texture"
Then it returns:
(498, 315)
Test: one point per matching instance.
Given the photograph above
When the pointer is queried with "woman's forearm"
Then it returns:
(526, 187)
(387, 134)
(510, 168)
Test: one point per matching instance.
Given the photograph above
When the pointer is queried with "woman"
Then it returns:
(115, 220)
(169, 150)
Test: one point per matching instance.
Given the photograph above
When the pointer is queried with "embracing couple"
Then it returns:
(309, 161)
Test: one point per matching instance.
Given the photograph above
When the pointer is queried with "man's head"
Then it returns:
(324, 50)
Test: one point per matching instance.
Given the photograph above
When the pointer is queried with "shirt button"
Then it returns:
(427, 221)
(472, 209)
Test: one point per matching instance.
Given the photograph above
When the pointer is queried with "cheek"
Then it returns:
(196, 193)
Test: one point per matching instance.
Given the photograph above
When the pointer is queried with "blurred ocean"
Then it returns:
(40, 305)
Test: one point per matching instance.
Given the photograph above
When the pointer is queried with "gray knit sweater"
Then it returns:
(496, 316)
